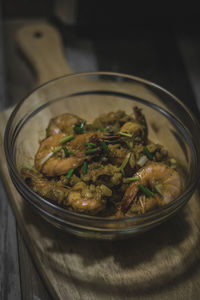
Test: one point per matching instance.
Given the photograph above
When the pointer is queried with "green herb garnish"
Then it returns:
(148, 153)
(129, 179)
(145, 190)
(79, 127)
(66, 151)
(125, 134)
(91, 144)
(70, 172)
(66, 139)
(90, 151)
(104, 146)
(157, 188)
(85, 167)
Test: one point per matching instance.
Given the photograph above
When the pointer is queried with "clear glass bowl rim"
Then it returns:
(186, 194)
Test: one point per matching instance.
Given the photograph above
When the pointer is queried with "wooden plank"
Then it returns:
(2, 68)
(32, 285)
(9, 266)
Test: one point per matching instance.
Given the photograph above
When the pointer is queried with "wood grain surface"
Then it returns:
(9, 265)
(42, 45)
(160, 264)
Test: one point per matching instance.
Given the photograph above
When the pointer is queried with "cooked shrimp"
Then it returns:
(63, 124)
(113, 120)
(138, 127)
(133, 128)
(55, 165)
(154, 175)
(46, 188)
(88, 199)
(78, 163)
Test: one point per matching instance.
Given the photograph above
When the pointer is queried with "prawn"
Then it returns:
(63, 124)
(48, 161)
(154, 174)
(46, 188)
(138, 127)
(88, 199)
(81, 198)
(56, 165)
(112, 120)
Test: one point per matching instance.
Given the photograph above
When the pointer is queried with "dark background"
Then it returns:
(134, 37)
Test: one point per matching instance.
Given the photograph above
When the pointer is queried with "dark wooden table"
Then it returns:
(169, 58)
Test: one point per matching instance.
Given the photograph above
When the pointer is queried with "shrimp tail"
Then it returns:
(128, 198)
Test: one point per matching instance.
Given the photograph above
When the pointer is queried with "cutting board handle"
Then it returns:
(42, 45)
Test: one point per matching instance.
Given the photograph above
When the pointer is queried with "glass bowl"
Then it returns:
(88, 95)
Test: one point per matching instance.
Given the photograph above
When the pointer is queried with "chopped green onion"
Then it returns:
(157, 188)
(90, 151)
(47, 157)
(66, 151)
(129, 179)
(142, 161)
(79, 127)
(85, 167)
(124, 163)
(91, 144)
(146, 191)
(100, 128)
(104, 146)
(66, 139)
(70, 172)
(148, 153)
(125, 134)
(57, 149)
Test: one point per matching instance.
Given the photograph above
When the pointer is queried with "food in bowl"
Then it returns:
(88, 95)
(107, 168)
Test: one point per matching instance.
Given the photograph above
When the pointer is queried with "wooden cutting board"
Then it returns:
(160, 264)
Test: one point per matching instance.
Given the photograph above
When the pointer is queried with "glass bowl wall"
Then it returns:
(88, 95)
